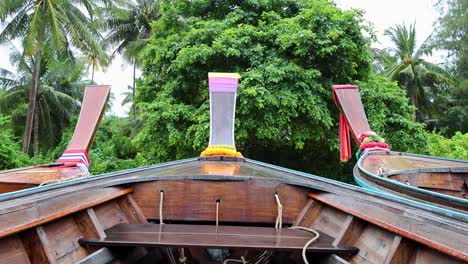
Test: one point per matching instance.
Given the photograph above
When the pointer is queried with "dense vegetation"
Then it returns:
(288, 53)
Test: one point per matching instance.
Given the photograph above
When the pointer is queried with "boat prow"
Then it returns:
(74, 162)
(429, 180)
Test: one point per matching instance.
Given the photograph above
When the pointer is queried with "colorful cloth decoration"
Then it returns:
(370, 140)
(223, 92)
(74, 157)
(345, 142)
(221, 150)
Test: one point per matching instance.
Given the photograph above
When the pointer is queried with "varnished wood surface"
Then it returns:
(34, 176)
(449, 238)
(439, 186)
(350, 104)
(92, 111)
(209, 236)
(313, 213)
(14, 221)
(239, 201)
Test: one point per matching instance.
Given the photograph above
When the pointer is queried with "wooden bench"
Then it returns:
(208, 236)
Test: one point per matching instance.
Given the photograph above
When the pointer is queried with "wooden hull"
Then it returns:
(438, 181)
(115, 218)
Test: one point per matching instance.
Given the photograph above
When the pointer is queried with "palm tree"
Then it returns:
(59, 86)
(422, 80)
(129, 100)
(48, 27)
(130, 30)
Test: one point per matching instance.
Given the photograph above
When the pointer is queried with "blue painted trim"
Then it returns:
(370, 191)
(414, 202)
(449, 198)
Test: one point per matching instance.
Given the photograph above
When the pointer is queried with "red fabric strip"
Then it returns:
(345, 142)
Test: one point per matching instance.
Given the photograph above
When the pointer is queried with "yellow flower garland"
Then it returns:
(221, 150)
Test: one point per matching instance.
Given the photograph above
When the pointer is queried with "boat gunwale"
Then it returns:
(305, 176)
(372, 176)
(302, 180)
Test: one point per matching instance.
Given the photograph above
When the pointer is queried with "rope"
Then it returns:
(182, 258)
(161, 207)
(80, 175)
(217, 212)
(304, 249)
(242, 260)
(279, 218)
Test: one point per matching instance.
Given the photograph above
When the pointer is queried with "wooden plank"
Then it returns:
(101, 256)
(350, 231)
(329, 221)
(445, 238)
(57, 207)
(349, 102)
(63, 235)
(426, 255)
(131, 209)
(12, 251)
(374, 245)
(13, 186)
(304, 214)
(89, 225)
(150, 235)
(241, 201)
(402, 251)
(310, 214)
(92, 111)
(37, 246)
(332, 259)
(110, 214)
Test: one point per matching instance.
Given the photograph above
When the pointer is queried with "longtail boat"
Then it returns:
(74, 162)
(438, 181)
(222, 208)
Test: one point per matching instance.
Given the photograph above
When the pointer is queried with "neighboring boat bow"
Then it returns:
(74, 162)
(437, 181)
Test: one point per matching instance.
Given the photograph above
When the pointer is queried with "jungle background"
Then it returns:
(288, 53)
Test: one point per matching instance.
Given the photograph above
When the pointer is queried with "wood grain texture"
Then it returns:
(63, 235)
(88, 224)
(16, 221)
(131, 209)
(12, 251)
(350, 231)
(442, 178)
(242, 201)
(402, 251)
(151, 235)
(446, 238)
(37, 246)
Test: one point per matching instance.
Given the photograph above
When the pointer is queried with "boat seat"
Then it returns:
(209, 236)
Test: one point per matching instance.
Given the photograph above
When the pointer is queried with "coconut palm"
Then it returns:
(58, 87)
(130, 30)
(422, 80)
(47, 26)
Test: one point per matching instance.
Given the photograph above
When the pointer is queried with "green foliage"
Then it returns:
(60, 90)
(451, 35)
(404, 62)
(455, 147)
(288, 53)
(389, 114)
(112, 150)
(10, 153)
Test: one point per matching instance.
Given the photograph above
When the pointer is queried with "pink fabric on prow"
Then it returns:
(223, 84)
